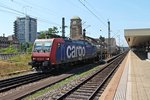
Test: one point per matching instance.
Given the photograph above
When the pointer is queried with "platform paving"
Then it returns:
(134, 80)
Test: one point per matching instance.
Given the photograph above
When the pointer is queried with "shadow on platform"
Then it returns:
(141, 55)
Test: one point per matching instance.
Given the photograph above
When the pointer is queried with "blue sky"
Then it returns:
(123, 14)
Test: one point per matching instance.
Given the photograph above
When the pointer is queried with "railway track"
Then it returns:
(6, 56)
(11, 83)
(19, 94)
(92, 87)
(8, 85)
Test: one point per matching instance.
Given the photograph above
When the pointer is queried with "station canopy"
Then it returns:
(136, 37)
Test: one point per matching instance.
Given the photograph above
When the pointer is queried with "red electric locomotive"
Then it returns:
(47, 53)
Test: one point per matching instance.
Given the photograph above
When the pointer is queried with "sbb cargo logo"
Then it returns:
(75, 51)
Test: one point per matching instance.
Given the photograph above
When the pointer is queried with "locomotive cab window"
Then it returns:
(42, 46)
(37, 46)
(47, 46)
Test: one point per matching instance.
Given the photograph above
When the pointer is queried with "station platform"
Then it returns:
(131, 81)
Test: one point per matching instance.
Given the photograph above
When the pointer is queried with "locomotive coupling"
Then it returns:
(30, 63)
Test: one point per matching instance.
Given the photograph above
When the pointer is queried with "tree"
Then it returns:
(42, 35)
(9, 49)
(48, 34)
(22, 47)
(53, 30)
(29, 49)
(25, 47)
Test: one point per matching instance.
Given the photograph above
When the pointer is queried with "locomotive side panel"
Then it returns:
(61, 51)
(91, 50)
(72, 51)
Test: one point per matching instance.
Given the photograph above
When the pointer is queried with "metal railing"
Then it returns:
(6, 56)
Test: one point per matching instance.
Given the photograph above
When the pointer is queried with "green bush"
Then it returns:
(9, 49)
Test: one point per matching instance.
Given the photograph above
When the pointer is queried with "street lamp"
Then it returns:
(100, 47)
(84, 31)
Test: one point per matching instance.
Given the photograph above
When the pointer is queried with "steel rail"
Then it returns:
(11, 83)
(68, 93)
(103, 82)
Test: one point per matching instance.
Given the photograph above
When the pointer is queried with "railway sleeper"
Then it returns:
(89, 86)
(95, 79)
(81, 93)
(99, 94)
(96, 98)
(77, 97)
(86, 89)
(93, 84)
(89, 91)
(73, 99)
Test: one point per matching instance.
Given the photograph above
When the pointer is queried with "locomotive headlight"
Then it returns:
(34, 58)
(46, 58)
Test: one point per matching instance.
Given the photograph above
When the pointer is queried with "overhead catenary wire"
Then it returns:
(12, 9)
(6, 11)
(31, 5)
(45, 9)
(95, 10)
(22, 13)
(93, 13)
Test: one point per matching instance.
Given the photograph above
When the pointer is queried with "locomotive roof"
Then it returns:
(51, 39)
(85, 42)
(44, 39)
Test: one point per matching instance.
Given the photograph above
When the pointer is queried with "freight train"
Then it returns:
(49, 53)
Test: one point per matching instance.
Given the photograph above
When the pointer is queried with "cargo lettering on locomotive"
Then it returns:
(75, 51)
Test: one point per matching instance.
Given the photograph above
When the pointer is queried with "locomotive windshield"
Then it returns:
(42, 46)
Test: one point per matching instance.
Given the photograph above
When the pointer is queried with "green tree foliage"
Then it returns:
(29, 49)
(53, 30)
(23, 47)
(26, 47)
(42, 35)
(9, 49)
(48, 34)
